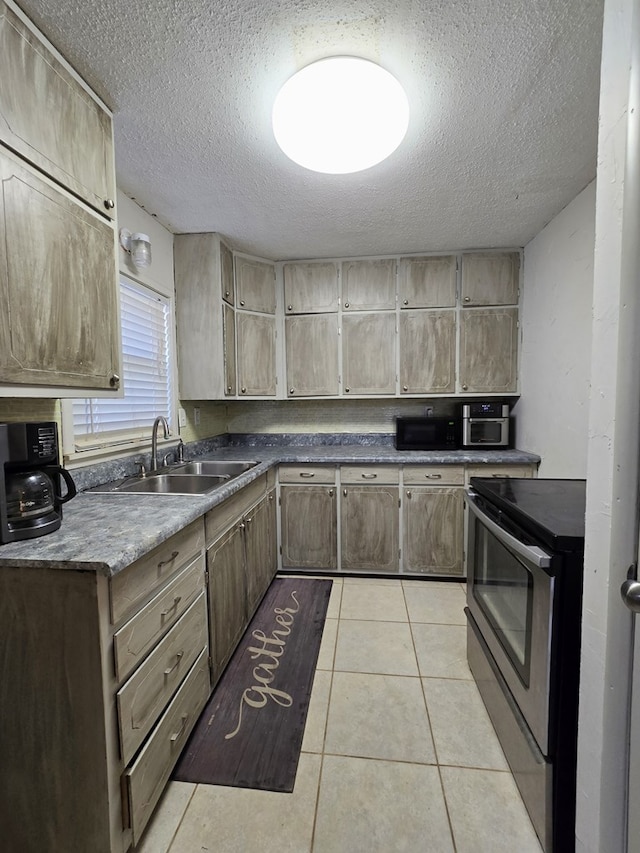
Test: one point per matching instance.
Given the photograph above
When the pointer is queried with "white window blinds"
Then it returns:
(147, 375)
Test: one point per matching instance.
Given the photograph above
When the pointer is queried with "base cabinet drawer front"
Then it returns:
(369, 528)
(307, 474)
(137, 637)
(433, 530)
(427, 475)
(147, 776)
(370, 474)
(309, 524)
(145, 695)
(500, 471)
(132, 585)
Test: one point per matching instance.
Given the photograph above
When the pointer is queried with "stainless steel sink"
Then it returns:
(171, 484)
(215, 467)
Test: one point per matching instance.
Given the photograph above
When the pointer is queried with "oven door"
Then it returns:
(510, 594)
(485, 432)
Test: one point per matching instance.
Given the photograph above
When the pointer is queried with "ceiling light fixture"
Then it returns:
(340, 115)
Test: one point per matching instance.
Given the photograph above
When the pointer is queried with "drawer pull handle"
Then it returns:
(179, 657)
(176, 602)
(307, 473)
(162, 563)
(369, 476)
(183, 722)
(433, 476)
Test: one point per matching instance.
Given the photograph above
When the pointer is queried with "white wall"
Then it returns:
(552, 414)
(159, 275)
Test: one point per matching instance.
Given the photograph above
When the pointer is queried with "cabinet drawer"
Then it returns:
(369, 474)
(147, 692)
(307, 474)
(147, 776)
(218, 519)
(420, 475)
(137, 581)
(500, 471)
(133, 640)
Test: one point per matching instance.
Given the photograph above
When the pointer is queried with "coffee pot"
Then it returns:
(31, 481)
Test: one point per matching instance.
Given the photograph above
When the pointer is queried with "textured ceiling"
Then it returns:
(503, 129)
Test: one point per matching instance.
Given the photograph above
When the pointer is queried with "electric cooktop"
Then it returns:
(550, 510)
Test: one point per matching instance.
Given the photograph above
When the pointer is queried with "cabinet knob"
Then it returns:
(292, 390)
(346, 304)
(344, 492)
(330, 493)
(241, 304)
(467, 299)
(409, 495)
(405, 387)
(244, 390)
(289, 307)
(229, 389)
(347, 390)
(114, 380)
(405, 301)
(109, 203)
(464, 387)
(227, 293)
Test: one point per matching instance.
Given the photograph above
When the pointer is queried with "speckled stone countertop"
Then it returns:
(105, 532)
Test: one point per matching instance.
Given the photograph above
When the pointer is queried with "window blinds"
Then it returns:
(146, 368)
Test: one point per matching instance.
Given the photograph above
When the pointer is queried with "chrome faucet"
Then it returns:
(154, 439)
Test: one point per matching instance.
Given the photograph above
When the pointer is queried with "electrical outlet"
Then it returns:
(196, 416)
(182, 417)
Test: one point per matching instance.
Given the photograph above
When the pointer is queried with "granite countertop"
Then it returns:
(105, 532)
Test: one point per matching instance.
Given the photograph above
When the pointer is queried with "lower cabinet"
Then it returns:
(369, 528)
(378, 518)
(241, 563)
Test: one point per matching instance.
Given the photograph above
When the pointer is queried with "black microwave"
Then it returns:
(427, 433)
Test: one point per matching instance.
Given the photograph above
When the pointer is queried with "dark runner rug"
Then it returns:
(250, 732)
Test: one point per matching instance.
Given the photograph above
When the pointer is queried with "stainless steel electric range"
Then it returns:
(525, 546)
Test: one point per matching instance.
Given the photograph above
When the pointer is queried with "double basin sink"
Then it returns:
(188, 478)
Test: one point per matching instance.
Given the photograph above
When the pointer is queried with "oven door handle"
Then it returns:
(531, 553)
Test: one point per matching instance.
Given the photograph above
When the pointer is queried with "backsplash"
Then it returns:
(14, 409)
(213, 420)
(327, 416)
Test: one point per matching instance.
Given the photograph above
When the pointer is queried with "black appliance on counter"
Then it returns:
(31, 481)
(486, 426)
(428, 433)
(525, 546)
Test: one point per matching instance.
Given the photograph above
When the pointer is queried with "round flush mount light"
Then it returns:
(339, 115)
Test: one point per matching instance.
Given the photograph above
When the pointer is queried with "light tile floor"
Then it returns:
(398, 752)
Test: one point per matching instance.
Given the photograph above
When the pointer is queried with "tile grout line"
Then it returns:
(184, 813)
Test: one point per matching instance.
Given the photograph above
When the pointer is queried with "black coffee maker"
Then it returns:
(31, 480)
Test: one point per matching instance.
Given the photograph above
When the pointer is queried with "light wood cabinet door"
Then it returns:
(312, 355)
(427, 352)
(427, 282)
(490, 278)
(260, 550)
(255, 285)
(48, 118)
(227, 290)
(227, 597)
(229, 347)
(310, 288)
(308, 523)
(433, 530)
(369, 285)
(59, 320)
(369, 353)
(369, 518)
(256, 357)
(488, 350)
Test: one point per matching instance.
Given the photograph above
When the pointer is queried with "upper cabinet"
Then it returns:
(427, 282)
(59, 324)
(310, 287)
(369, 285)
(48, 117)
(224, 348)
(490, 278)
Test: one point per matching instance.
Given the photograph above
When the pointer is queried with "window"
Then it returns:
(147, 376)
